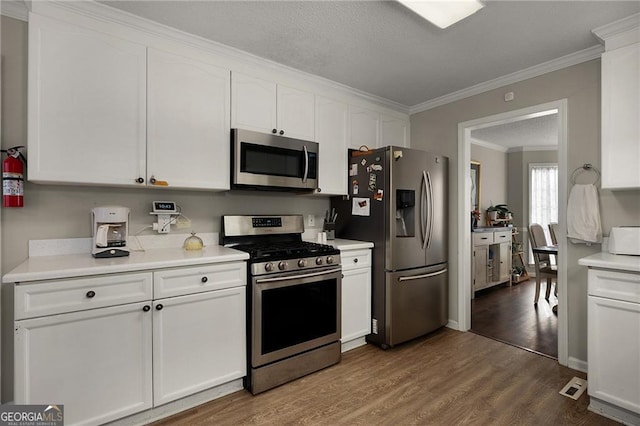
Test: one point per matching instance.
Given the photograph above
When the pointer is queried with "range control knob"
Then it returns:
(283, 265)
(302, 263)
(319, 261)
(329, 260)
(268, 267)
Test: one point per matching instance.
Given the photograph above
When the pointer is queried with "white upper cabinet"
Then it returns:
(188, 122)
(87, 105)
(267, 107)
(393, 131)
(620, 117)
(365, 128)
(332, 135)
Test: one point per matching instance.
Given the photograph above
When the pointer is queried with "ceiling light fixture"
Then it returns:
(443, 13)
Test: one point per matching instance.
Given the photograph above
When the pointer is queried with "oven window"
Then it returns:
(274, 161)
(298, 313)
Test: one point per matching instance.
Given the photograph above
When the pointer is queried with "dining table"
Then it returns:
(551, 249)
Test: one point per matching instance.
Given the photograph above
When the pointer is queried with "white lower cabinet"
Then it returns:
(614, 343)
(198, 342)
(356, 297)
(104, 363)
(95, 362)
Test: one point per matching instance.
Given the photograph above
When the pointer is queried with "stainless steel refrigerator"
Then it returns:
(398, 200)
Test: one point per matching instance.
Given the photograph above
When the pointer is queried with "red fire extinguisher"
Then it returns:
(13, 178)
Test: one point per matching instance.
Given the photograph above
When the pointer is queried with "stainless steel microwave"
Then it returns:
(261, 160)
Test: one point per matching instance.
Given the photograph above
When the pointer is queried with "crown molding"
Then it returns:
(91, 9)
(575, 58)
(619, 33)
(488, 145)
(533, 148)
(15, 9)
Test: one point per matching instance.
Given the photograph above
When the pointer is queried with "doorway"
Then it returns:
(518, 161)
(465, 130)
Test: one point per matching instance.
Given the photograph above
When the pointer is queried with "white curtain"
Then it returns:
(543, 197)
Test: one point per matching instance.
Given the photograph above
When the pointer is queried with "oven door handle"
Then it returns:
(297, 277)
(306, 163)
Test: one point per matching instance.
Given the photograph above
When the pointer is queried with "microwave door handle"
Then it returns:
(306, 164)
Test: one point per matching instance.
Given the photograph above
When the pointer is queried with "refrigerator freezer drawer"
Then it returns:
(417, 303)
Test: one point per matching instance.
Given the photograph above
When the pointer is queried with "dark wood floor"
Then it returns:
(448, 378)
(508, 314)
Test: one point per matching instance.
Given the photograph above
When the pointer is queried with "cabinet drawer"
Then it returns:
(178, 282)
(352, 259)
(614, 285)
(482, 238)
(501, 237)
(56, 297)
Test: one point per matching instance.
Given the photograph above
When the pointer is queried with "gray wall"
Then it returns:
(64, 211)
(493, 177)
(437, 129)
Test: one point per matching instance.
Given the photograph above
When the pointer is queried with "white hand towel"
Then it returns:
(583, 215)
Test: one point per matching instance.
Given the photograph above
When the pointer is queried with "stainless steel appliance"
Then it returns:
(398, 200)
(294, 302)
(110, 231)
(260, 160)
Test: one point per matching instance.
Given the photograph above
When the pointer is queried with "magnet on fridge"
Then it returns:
(355, 187)
(372, 182)
(378, 195)
(364, 161)
(375, 167)
(353, 170)
(397, 155)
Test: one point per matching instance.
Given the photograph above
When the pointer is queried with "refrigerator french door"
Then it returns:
(404, 194)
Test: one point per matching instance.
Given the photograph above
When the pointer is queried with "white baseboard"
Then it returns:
(612, 412)
(352, 344)
(454, 325)
(577, 364)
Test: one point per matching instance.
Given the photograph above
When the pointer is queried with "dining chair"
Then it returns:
(544, 268)
(553, 231)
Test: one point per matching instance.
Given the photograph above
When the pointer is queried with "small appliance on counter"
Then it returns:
(110, 231)
(625, 240)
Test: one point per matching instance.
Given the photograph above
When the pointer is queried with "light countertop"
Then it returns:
(76, 265)
(605, 260)
(341, 244)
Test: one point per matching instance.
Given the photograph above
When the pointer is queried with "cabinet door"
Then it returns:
(198, 342)
(253, 103)
(87, 105)
(364, 128)
(97, 362)
(620, 112)
(480, 264)
(356, 303)
(296, 113)
(188, 122)
(393, 131)
(332, 134)
(504, 267)
(614, 352)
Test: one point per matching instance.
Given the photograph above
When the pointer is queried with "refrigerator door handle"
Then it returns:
(423, 210)
(419, 277)
(431, 208)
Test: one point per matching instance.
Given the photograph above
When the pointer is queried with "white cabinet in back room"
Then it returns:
(267, 107)
(187, 122)
(87, 108)
(332, 135)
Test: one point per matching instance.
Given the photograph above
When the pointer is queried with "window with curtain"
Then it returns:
(543, 197)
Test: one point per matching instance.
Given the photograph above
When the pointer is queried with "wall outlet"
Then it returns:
(311, 221)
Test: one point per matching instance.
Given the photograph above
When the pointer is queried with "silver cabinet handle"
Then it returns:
(419, 277)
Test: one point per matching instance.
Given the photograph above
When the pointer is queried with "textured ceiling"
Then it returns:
(382, 48)
(540, 131)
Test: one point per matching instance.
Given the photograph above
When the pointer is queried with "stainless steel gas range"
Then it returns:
(294, 300)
